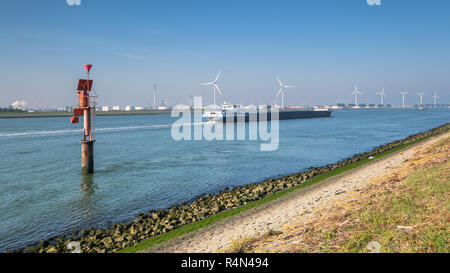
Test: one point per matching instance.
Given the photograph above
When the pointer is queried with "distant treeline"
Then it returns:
(10, 109)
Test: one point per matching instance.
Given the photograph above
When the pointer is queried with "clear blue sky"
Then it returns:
(322, 46)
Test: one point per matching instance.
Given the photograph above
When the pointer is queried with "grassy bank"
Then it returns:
(410, 214)
(413, 219)
(68, 114)
(223, 215)
(408, 210)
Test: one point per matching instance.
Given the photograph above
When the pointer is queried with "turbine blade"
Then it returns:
(279, 91)
(289, 86)
(218, 89)
(279, 81)
(218, 76)
(207, 83)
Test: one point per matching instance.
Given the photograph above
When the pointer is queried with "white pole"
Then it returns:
(154, 98)
(214, 97)
(435, 99)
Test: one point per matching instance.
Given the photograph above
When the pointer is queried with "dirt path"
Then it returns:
(294, 207)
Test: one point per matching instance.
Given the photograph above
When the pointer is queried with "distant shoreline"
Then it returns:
(68, 114)
(130, 113)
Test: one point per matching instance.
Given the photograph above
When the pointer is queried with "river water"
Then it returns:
(140, 167)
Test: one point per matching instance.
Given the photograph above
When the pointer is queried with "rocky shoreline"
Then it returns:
(156, 222)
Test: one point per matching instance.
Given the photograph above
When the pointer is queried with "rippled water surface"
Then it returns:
(139, 167)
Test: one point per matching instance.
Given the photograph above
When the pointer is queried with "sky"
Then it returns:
(323, 47)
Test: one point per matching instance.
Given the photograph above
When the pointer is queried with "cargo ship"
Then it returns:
(235, 114)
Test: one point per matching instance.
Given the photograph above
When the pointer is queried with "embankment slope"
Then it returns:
(277, 226)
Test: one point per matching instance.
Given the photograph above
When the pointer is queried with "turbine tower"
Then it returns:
(403, 98)
(154, 97)
(421, 98)
(216, 87)
(435, 97)
(382, 96)
(281, 91)
(356, 92)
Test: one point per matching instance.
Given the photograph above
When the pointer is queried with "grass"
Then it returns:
(212, 219)
(413, 219)
(242, 244)
(406, 211)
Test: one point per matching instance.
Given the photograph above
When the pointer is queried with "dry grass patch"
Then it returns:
(243, 245)
(408, 210)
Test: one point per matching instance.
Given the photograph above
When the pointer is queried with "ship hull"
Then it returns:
(283, 115)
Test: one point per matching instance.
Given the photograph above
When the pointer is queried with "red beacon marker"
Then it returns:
(86, 108)
(88, 67)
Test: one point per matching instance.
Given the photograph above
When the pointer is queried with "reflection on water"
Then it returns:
(87, 184)
(88, 200)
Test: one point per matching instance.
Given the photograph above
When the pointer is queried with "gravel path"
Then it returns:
(290, 208)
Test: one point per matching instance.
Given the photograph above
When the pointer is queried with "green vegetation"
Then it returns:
(413, 219)
(405, 211)
(210, 220)
(239, 246)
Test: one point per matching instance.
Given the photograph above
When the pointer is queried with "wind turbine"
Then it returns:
(216, 87)
(435, 97)
(403, 98)
(356, 92)
(282, 86)
(421, 97)
(382, 95)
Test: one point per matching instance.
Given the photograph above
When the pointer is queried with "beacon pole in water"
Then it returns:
(87, 109)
